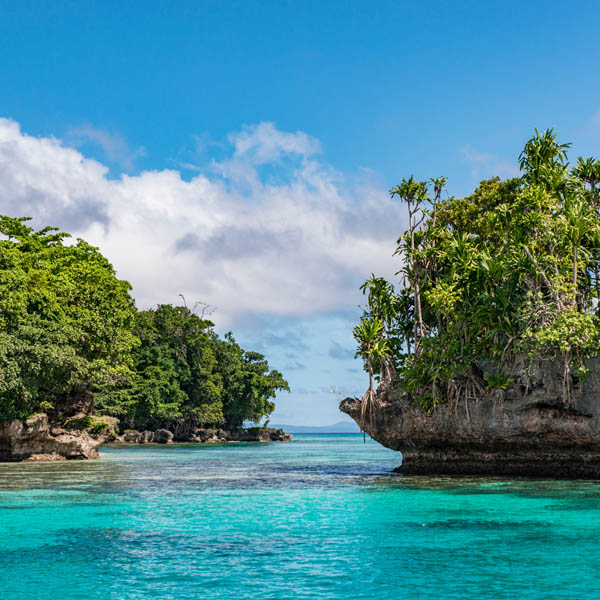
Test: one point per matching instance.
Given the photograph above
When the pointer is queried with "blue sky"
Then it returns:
(240, 152)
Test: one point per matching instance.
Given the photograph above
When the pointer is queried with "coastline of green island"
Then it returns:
(79, 362)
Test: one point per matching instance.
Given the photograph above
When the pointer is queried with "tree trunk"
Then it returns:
(575, 275)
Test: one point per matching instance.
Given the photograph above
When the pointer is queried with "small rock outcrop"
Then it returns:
(162, 436)
(136, 437)
(526, 429)
(36, 439)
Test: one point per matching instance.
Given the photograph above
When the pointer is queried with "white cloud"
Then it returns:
(264, 143)
(231, 237)
(114, 145)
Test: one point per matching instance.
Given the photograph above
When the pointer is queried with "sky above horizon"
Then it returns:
(240, 153)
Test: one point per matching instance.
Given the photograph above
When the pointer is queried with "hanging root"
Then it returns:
(368, 409)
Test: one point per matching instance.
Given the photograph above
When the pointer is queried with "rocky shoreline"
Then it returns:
(79, 438)
(39, 440)
(526, 429)
(204, 436)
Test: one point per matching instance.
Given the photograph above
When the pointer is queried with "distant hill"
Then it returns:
(341, 427)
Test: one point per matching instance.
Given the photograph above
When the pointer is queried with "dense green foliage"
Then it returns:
(185, 376)
(69, 329)
(492, 282)
(65, 320)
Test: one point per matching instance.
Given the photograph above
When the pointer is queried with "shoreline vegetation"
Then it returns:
(77, 359)
(485, 358)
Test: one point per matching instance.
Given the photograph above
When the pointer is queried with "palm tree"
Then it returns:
(580, 223)
(368, 335)
(588, 171)
(380, 298)
(543, 160)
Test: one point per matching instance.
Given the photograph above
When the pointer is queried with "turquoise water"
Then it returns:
(321, 517)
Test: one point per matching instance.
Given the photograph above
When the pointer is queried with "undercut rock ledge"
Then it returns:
(526, 429)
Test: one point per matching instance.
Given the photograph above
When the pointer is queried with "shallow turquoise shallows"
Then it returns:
(321, 517)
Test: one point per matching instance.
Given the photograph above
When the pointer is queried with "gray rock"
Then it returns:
(205, 436)
(136, 437)
(527, 429)
(260, 434)
(131, 437)
(163, 436)
(147, 437)
(36, 440)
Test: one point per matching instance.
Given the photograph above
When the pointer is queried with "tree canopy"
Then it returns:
(184, 375)
(69, 328)
(493, 282)
(65, 319)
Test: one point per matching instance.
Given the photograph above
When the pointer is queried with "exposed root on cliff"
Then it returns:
(368, 409)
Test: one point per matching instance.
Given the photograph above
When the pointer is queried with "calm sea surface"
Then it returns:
(321, 517)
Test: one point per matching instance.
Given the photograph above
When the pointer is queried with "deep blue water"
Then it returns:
(321, 517)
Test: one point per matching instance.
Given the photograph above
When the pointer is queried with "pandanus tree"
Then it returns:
(580, 222)
(368, 336)
(587, 174)
(543, 160)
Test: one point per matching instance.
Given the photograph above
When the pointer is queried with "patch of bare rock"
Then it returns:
(38, 440)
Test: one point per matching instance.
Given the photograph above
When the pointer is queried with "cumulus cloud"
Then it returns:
(231, 236)
(264, 143)
(41, 178)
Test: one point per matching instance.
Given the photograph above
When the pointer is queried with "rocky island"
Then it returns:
(486, 359)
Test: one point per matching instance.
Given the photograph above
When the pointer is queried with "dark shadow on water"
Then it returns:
(474, 484)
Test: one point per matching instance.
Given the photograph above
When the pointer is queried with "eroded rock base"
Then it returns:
(527, 429)
(575, 463)
(37, 440)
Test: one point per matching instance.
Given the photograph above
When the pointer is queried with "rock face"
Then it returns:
(205, 436)
(37, 440)
(527, 429)
(162, 436)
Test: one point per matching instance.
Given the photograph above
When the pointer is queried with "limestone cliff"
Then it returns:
(527, 429)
